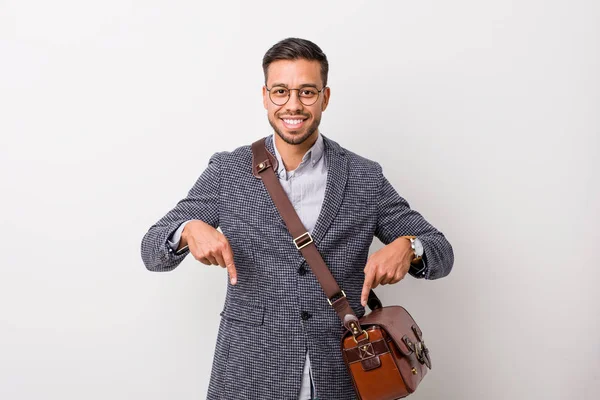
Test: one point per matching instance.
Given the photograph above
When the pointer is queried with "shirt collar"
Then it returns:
(312, 156)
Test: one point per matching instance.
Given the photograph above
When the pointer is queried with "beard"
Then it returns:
(296, 138)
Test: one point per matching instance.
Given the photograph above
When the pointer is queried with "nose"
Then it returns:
(293, 103)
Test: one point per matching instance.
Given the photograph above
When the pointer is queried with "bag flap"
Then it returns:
(398, 323)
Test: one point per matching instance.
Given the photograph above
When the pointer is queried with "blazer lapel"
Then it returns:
(337, 176)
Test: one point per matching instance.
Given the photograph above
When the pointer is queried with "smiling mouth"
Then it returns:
(293, 123)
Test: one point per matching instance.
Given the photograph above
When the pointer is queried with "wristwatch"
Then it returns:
(417, 265)
(417, 247)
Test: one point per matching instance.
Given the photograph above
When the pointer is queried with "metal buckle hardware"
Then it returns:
(303, 244)
(343, 294)
(366, 334)
(422, 353)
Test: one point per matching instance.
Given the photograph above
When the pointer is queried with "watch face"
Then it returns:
(418, 247)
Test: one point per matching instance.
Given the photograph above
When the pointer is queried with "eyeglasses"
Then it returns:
(280, 95)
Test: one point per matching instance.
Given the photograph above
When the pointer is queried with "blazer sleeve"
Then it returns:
(396, 218)
(202, 202)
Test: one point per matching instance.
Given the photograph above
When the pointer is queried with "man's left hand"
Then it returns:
(387, 266)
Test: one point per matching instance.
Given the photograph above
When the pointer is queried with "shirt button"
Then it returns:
(305, 315)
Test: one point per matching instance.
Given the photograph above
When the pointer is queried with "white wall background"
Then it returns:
(484, 115)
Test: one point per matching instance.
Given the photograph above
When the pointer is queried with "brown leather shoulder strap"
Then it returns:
(264, 165)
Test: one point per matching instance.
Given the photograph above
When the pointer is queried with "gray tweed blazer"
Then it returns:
(277, 310)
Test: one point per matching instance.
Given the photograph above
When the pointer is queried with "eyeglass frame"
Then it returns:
(290, 94)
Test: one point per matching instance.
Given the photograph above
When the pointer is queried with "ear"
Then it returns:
(265, 97)
(326, 94)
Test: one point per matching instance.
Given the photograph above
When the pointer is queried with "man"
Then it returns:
(278, 337)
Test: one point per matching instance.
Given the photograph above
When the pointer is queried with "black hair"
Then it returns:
(294, 49)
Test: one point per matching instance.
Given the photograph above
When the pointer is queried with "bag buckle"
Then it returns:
(422, 353)
(366, 334)
(303, 237)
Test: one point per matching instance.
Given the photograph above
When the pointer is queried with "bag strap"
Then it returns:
(264, 165)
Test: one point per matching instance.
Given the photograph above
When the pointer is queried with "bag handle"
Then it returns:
(264, 165)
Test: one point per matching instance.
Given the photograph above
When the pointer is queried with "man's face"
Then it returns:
(295, 122)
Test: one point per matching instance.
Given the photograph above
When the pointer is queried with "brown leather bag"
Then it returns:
(384, 351)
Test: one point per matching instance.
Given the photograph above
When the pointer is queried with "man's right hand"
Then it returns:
(209, 246)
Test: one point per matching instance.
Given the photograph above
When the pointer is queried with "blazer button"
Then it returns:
(305, 315)
(302, 270)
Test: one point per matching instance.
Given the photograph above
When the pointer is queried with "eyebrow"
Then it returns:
(302, 85)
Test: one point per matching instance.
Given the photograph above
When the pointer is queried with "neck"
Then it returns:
(291, 154)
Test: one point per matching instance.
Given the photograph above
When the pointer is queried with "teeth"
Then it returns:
(292, 121)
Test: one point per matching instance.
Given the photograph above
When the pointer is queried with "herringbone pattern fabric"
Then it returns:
(259, 352)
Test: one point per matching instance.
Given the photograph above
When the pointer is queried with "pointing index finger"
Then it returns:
(369, 278)
(228, 258)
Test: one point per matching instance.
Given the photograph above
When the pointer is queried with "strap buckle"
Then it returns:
(343, 294)
(301, 237)
(365, 332)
